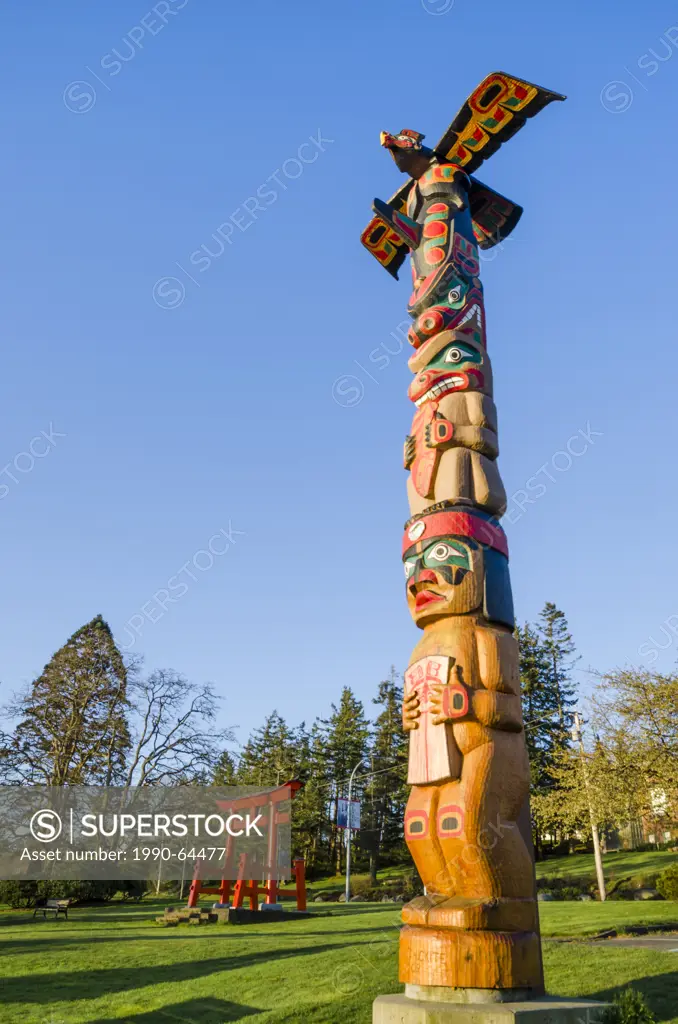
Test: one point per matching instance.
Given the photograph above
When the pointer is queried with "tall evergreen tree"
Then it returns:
(275, 754)
(541, 718)
(345, 735)
(309, 811)
(226, 771)
(559, 649)
(546, 659)
(386, 792)
(270, 756)
(540, 704)
(73, 727)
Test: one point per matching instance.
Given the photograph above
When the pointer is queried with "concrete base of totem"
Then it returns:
(479, 1006)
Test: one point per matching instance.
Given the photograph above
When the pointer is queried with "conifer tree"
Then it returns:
(386, 793)
(540, 705)
(309, 810)
(269, 758)
(345, 735)
(546, 659)
(225, 772)
(275, 754)
(559, 650)
(73, 727)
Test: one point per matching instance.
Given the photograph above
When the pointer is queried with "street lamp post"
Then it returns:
(348, 834)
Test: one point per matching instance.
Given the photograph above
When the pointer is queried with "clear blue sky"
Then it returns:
(220, 410)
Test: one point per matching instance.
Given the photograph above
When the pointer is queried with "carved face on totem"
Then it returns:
(442, 578)
(462, 309)
(456, 562)
(447, 363)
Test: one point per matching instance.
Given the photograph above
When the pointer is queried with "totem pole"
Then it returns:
(474, 935)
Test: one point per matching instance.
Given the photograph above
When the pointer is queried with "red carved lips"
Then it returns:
(431, 384)
(423, 596)
(426, 597)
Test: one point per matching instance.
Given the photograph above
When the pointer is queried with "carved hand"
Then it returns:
(447, 703)
(410, 450)
(439, 433)
(411, 711)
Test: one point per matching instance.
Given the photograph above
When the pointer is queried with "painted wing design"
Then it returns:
(382, 241)
(494, 216)
(491, 115)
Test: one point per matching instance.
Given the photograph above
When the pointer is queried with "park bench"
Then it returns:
(55, 907)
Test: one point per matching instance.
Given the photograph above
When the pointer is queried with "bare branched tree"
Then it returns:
(172, 723)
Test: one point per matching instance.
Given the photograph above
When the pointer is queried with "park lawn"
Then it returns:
(113, 964)
(600, 971)
(572, 918)
(623, 864)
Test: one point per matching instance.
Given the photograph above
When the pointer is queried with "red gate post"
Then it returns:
(225, 888)
(194, 891)
(239, 890)
(299, 870)
(271, 879)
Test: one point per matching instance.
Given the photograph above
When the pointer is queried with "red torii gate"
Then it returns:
(263, 803)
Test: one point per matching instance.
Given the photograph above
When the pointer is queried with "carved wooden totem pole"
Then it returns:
(474, 936)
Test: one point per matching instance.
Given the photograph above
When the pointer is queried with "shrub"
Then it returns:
(19, 894)
(667, 883)
(569, 892)
(645, 881)
(360, 886)
(564, 888)
(406, 885)
(28, 893)
(629, 1008)
(133, 889)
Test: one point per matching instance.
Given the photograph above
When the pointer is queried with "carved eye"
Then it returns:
(409, 569)
(441, 551)
(455, 355)
(455, 294)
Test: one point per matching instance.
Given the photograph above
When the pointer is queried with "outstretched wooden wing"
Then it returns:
(494, 216)
(491, 115)
(382, 241)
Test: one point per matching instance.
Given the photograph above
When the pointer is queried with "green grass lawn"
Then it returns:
(623, 864)
(571, 918)
(112, 964)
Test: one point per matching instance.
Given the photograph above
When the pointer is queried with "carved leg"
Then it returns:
(422, 840)
(477, 925)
